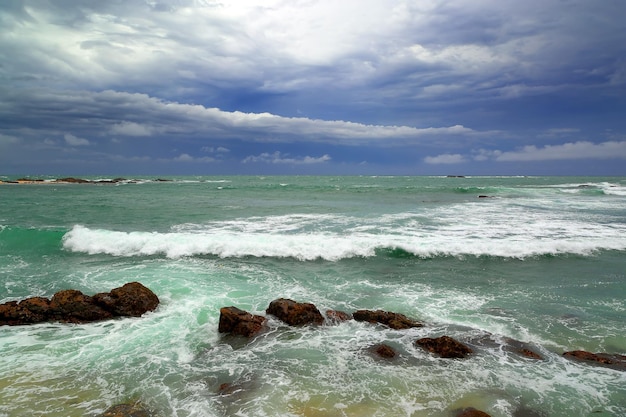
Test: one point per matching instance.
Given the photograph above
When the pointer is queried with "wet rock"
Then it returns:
(444, 346)
(72, 306)
(506, 344)
(528, 412)
(239, 322)
(602, 359)
(126, 410)
(384, 351)
(530, 354)
(335, 316)
(132, 299)
(295, 314)
(394, 320)
(471, 412)
(30, 310)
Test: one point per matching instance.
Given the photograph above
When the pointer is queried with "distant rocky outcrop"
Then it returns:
(72, 306)
(394, 320)
(444, 346)
(72, 180)
(294, 313)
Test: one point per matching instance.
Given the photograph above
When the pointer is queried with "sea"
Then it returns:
(485, 260)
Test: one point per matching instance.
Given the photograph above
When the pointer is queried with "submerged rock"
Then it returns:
(602, 359)
(126, 410)
(444, 346)
(394, 320)
(506, 344)
(72, 306)
(294, 313)
(383, 350)
(239, 322)
(471, 412)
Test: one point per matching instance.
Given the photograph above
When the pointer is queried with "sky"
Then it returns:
(308, 87)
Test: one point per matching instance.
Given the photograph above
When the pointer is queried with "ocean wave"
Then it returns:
(226, 242)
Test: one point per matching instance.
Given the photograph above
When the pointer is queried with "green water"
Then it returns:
(541, 261)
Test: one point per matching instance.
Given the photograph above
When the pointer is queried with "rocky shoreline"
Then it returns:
(240, 323)
(74, 180)
(133, 300)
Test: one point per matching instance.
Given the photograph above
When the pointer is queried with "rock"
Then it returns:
(295, 314)
(530, 354)
(72, 180)
(444, 346)
(28, 311)
(602, 359)
(239, 322)
(506, 344)
(394, 320)
(126, 410)
(72, 306)
(471, 412)
(12, 315)
(384, 351)
(335, 316)
(132, 299)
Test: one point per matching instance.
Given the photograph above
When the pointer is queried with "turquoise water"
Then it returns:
(541, 260)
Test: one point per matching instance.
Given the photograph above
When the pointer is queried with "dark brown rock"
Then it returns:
(295, 314)
(603, 359)
(444, 346)
(11, 314)
(239, 322)
(394, 320)
(35, 309)
(384, 351)
(73, 306)
(471, 412)
(126, 410)
(132, 299)
(335, 316)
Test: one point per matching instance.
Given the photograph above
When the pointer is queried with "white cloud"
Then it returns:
(278, 158)
(211, 149)
(130, 129)
(185, 157)
(445, 159)
(75, 140)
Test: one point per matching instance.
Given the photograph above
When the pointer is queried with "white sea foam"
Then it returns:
(480, 230)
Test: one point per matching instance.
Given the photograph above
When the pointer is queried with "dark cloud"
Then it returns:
(464, 82)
